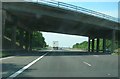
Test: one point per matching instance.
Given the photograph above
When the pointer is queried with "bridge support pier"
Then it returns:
(21, 38)
(93, 44)
(13, 38)
(28, 45)
(104, 45)
(113, 41)
(88, 44)
(30, 42)
(97, 46)
(2, 29)
(26, 40)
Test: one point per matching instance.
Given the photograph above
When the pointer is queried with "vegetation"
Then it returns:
(84, 45)
(4, 54)
(38, 40)
(22, 40)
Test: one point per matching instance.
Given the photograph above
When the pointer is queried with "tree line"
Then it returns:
(84, 45)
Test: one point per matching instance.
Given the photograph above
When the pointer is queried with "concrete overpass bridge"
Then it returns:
(58, 17)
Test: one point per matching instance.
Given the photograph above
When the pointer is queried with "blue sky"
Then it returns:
(109, 7)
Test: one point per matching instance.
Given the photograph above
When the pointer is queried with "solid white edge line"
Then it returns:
(87, 64)
(26, 67)
(6, 57)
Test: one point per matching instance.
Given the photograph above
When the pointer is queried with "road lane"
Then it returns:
(63, 65)
(12, 65)
(26, 67)
(73, 66)
(54, 66)
(103, 65)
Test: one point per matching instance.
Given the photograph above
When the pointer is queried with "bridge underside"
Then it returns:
(38, 17)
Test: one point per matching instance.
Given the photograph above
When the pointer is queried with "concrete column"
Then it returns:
(88, 44)
(14, 37)
(93, 45)
(97, 46)
(2, 29)
(4, 15)
(113, 41)
(30, 41)
(26, 40)
(28, 44)
(104, 45)
(21, 38)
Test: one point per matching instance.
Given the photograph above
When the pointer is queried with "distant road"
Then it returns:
(60, 65)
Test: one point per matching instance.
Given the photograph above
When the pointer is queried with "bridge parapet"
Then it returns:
(75, 8)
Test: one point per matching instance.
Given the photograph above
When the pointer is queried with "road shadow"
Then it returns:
(55, 53)
(9, 68)
(74, 53)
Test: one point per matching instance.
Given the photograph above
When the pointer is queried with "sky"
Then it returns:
(109, 7)
(63, 39)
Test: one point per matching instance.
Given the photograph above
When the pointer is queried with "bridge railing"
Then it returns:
(76, 8)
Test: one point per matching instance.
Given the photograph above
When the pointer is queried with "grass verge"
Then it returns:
(4, 54)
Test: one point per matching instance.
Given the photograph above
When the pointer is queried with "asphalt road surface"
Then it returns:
(56, 64)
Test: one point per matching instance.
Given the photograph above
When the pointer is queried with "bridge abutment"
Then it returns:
(14, 35)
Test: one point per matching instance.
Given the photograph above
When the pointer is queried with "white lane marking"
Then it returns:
(95, 55)
(87, 64)
(108, 74)
(6, 57)
(26, 67)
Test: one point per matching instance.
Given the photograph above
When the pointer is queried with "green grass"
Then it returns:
(4, 54)
(116, 52)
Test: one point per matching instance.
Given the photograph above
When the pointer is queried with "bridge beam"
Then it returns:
(97, 46)
(93, 41)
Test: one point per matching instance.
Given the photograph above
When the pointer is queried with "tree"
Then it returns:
(38, 40)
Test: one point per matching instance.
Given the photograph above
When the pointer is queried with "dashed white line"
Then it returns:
(108, 74)
(95, 55)
(6, 58)
(87, 64)
(26, 67)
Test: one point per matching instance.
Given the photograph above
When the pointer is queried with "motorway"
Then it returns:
(54, 64)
